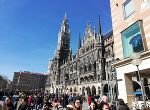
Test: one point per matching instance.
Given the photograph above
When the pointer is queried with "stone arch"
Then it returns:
(89, 67)
(115, 92)
(75, 89)
(71, 90)
(81, 79)
(93, 90)
(86, 78)
(94, 66)
(105, 89)
(99, 90)
(56, 90)
(83, 90)
(85, 68)
(88, 90)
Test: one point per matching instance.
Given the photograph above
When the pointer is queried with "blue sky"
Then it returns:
(29, 29)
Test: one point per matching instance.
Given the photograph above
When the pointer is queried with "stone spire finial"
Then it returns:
(65, 17)
(79, 42)
(99, 26)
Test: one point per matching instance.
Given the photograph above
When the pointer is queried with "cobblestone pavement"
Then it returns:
(85, 106)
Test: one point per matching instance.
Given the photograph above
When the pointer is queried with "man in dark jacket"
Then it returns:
(122, 105)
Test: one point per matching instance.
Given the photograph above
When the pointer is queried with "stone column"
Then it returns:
(129, 86)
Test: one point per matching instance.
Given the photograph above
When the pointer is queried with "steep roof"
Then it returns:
(107, 35)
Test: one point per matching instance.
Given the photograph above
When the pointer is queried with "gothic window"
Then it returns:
(91, 46)
(109, 52)
(92, 58)
(70, 89)
(70, 76)
(99, 90)
(94, 65)
(85, 68)
(106, 53)
(89, 67)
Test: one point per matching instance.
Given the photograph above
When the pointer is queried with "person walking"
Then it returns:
(121, 105)
(89, 99)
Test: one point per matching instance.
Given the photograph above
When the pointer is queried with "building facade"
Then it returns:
(131, 29)
(3, 83)
(28, 81)
(87, 71)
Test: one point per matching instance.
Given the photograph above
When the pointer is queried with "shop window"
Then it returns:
(132, 39)
(128, 8)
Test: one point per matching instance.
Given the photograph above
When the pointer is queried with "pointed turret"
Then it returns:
(79, 42)
(88, 28)
(65, 17)
(99, 27)
(65, 25)
(99, 34)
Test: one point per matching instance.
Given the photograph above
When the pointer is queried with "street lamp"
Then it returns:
(137, 61)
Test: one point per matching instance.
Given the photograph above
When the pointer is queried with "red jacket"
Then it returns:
(89, 100)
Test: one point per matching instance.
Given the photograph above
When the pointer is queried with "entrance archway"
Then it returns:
(93, 90)
(105, 90)
(99, 90)
(88, 90)
(83, 90)
(56, 90)
(71, 90)
(75, 89)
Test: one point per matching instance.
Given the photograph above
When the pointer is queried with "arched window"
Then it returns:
(85, 68)
(99, 90)
(70, 89)
(89, 67)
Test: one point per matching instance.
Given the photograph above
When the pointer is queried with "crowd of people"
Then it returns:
(41, 101)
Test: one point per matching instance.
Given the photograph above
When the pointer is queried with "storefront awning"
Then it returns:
(138, 92)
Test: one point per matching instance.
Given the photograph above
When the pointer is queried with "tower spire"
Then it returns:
(79, 42)
(65, 24)
(99, 26)
(65, 17)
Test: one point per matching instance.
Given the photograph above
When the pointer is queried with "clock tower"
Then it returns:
(63, 46)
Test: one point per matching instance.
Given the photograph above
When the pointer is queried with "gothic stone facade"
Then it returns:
(89, 70)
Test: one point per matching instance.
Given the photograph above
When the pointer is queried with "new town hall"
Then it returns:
(87, 71)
